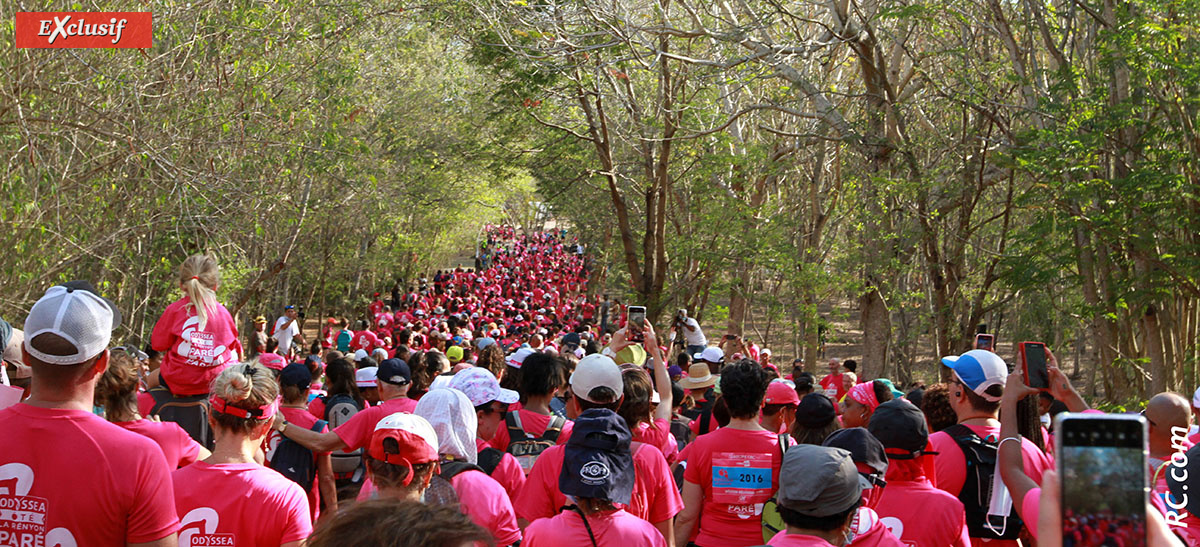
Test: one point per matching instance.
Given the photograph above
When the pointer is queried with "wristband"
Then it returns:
(608, 352)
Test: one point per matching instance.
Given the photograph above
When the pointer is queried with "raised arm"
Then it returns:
(662, 379)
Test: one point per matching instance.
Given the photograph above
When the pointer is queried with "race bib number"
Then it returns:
(741, 479)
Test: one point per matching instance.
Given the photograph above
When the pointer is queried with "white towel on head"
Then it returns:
(452, 416)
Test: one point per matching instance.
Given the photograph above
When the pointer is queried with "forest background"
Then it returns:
(894, 173)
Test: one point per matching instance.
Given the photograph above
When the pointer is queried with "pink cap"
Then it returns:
(780, 393)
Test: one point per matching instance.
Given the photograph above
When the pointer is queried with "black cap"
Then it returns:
(81, 285)
(900, 426)
(597, 462)
(295, 374)
(815, 411)
(571, 340)
(863, 447)
(394, 371)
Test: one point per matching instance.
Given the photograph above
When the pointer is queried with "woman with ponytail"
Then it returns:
(229, 498)
(196, 333)
(117, 390)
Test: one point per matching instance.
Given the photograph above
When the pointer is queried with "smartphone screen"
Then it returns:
(1035, 365)
(637, 316)
(1102, 465)
(984, 341)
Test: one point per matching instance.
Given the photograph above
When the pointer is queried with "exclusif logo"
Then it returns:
(84, 29)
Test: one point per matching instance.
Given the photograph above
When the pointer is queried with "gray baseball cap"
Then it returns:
(819, 481)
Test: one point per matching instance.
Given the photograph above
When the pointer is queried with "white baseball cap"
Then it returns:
(712, 354)
(518, 357)
(979, 370)
(75, 312)
(595, 371)
(360, 354)
(365, 377)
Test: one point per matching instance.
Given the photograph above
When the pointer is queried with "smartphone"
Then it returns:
(985, 342)
(637, 317)
(1103, 474)
(1033, 354)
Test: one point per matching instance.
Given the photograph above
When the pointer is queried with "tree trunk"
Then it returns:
(877, 331)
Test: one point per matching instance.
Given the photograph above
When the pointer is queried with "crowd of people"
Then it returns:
(506, 404)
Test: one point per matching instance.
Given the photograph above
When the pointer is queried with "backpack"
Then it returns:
(772, 523)
(452, 468)
(976, 494)
(191, 413)
(525, 447)
(295, 462)
(338, 410)
(489, 460)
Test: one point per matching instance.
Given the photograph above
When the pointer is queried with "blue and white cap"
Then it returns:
(978, 370)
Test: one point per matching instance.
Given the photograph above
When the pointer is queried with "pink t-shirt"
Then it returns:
(238, 504)
(80, 480)
(356, 432)
(177, 446)
(300, 418)
(508, 472)
(950, 466)
(533, 424)
(486, 502)
(923, 516)
(784, 539)
(612, 529)
(145, 402)
(732, 511)
(659, 436)
(654, 498)
(193, 357)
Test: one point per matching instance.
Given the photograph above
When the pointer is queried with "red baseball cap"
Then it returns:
(414, 437)
(780, 393)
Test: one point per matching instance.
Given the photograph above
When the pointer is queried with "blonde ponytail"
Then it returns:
(199, 275)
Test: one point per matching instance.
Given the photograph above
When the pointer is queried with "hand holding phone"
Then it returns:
(985, 342)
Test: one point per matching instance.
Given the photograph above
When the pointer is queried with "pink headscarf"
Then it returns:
(864, 394)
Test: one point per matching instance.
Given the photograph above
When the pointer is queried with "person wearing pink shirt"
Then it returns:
(541, 376)
(491, 402)
(229, 498)
(393, 379)
(79, 479)
(734, 470)
(819, 494)
(832, 384)
(117, 390)
(195, 333)
(402, 457)
(871, 462)
(452, 416)
(597, 474)
(979, 378)
(639, 391)
(910, 507)
(597, 383)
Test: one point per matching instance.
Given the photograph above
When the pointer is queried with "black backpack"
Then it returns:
(525, 447)
(489, 460)
(338, 410)
(295, 462)
(191, 413)
(976, 492)
(452, 468)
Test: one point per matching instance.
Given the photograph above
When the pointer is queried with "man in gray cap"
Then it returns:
(819, 494)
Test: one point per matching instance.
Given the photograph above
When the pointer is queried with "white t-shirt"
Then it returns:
(285, 336)
(696, 337)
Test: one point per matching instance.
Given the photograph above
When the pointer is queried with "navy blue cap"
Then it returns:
(394, 371)
(863, 447)
(597, 462)
(900, 426)
(295, 374)
(815, 411)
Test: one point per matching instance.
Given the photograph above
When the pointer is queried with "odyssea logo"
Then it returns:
(595, 473)
(36, 29)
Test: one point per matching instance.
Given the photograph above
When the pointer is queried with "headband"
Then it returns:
(864, 394)
(260, 413)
